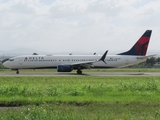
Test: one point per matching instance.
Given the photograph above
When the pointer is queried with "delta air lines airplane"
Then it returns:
(67, 63)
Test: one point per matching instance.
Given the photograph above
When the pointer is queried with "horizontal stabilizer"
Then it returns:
(145, 57)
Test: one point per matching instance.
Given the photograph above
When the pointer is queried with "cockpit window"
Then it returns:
(11, 60)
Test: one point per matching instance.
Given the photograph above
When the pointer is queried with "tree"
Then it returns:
(5, 60)
(151, 61)
(35, 54)
(158, 60)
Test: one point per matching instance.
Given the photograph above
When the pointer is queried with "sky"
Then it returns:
(77, 26)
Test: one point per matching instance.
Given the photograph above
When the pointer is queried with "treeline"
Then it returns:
(149, 63)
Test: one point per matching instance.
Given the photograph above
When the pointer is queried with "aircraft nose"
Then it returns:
(6, 64)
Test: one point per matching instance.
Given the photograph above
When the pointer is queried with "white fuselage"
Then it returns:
(44, 61)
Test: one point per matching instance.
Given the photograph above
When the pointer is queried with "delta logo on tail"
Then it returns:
(140, 47)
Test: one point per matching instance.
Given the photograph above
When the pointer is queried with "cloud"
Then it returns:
(61, 8)
(77, 26)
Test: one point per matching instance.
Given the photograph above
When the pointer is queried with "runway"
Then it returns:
(84, 74)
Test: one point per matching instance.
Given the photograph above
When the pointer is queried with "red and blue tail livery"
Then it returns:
(140, 48)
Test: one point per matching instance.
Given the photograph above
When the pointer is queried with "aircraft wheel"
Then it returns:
(79, 72)
(17, 72)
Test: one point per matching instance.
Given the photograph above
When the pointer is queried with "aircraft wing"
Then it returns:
(88, 64)
(83, 64)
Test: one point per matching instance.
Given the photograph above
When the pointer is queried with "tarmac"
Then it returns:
(83, 74)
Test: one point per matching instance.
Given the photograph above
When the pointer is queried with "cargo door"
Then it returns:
(126, 61)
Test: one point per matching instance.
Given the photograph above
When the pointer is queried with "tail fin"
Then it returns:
(140, 48)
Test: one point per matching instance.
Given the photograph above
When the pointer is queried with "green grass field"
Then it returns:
(80, 97)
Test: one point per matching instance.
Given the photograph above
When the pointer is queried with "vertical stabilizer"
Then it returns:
(141, 46)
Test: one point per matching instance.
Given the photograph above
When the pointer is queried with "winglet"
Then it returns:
(103, 57)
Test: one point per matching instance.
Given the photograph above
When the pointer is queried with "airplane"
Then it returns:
(67, 63)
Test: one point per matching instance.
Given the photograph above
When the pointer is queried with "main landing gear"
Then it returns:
(17, 72)
(79, 71)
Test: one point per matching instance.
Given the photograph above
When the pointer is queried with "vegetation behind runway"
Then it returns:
(80, 97)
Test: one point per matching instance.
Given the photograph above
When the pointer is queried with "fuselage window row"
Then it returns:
(55, 60)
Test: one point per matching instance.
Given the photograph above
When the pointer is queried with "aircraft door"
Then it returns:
(20, 61)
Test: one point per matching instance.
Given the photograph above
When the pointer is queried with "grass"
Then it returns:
(80, 97)
(89, 112)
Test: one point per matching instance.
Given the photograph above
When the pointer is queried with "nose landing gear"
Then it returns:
(79, 71)
(17, 72)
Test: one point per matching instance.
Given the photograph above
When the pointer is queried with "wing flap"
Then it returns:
(83, 64)
(88, 64)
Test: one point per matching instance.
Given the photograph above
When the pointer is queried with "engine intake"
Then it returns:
(64, 68)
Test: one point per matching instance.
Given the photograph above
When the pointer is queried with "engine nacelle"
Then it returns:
(64, 68)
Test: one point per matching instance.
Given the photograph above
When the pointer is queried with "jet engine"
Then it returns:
(64, 68)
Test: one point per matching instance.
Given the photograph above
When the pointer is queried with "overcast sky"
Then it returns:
(78, 25)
